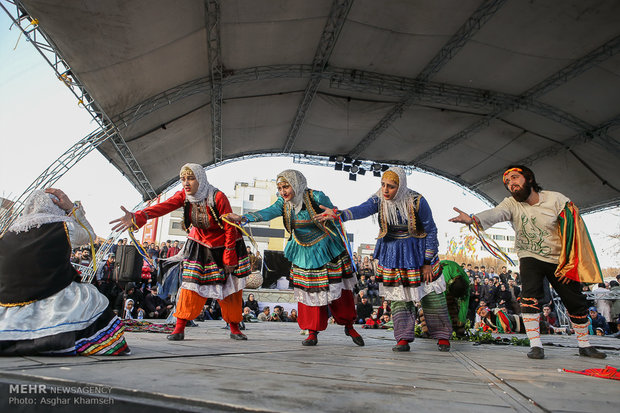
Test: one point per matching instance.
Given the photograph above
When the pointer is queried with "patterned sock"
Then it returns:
(402, 342)
(351, 331)
(532, 328)
(179, 328)
(581, 331)
(234, 328)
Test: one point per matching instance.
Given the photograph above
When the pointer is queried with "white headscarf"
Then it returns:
(205, 189)
(399, 202)
(38, 209)
(127, 312)
(297, 181)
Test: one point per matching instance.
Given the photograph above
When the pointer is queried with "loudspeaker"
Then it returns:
(275, 266)
(128, 265)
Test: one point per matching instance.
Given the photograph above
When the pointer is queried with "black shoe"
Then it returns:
(443, 347)
(309, 342)
(591, 352)
(239, 336)
(176, 337)
(357, 340)
(536, 353)
(401, 347)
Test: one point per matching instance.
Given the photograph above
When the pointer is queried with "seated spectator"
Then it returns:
(384, 309)
(357, 298)
(504, 298)
(373, 290)
(293, 316)
(252, 304)
(258, 263)
(364, 310)
(155, 306)
(213, 309)
(129, 312)
(548, 322)
(600, 331)
(361, 285)
(278, 314)
(130, 292)
(372, 321)
(596, 321)
(265, 314)
(248, 315)
(386, 321)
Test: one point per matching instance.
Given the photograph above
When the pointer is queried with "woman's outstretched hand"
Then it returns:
(328, 214)
(234, 217)
(123, 223)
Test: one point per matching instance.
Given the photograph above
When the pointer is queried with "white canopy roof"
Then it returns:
(461, 88)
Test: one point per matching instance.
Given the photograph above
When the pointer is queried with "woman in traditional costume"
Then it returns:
(408, 268)
(321, 272)
(44, 309)
(215, 260)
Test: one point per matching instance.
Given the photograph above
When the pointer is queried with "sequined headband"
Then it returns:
(511, 170)
(186, 171)
(391, 175)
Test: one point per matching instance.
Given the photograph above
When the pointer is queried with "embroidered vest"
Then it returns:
(414, 227)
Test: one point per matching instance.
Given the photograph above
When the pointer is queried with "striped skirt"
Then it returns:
(436, 316)
(203, 270)
(104, 337)
(320, 286)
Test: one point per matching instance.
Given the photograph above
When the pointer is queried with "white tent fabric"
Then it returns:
(498, 82)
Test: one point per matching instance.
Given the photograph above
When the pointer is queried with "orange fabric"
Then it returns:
(189, 304)
(232, 307)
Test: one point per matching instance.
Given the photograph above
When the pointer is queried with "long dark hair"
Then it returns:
(529, 176)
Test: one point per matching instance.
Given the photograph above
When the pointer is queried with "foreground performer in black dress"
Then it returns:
(44, 309)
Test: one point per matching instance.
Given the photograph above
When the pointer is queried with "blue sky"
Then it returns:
(40, 119)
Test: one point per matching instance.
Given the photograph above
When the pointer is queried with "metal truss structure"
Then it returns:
(406, 91)
(49, 51)
(336, 19)
(212, 23)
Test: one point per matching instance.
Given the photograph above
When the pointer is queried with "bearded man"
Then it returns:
(535, 216)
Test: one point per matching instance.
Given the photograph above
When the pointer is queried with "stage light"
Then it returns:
(352, 177)
(340, 158)
(357, 163)
(354, 169)
(376, 173)
(362, 171)
(376, 166)
(347, 159)
(385, 168)
(338, 166)
(346, 168)
(332, 158)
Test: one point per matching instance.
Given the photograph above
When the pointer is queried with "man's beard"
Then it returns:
(521, 195)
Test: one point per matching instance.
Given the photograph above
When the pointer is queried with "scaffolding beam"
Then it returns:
(336, 19)
(48, 50)
(212, 24)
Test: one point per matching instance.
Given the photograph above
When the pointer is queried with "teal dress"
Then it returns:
(321, 266)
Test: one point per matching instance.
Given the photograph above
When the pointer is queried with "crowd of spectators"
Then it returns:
(493, 291)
